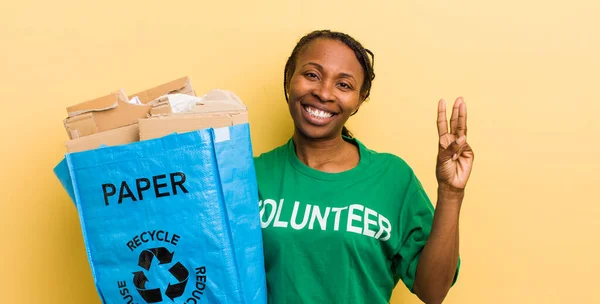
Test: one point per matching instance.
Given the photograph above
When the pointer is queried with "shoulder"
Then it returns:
(388, 161)
(398, 175)
(272, 157)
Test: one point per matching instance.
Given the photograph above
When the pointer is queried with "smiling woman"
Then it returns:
(327, 70)
(348, 81)
(342, 223)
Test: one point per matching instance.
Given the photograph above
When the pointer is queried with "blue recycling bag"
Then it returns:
(171, 220)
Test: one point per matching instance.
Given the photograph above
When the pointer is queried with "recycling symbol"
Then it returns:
(179, 272)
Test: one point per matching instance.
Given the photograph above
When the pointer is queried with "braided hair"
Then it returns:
(361, 53)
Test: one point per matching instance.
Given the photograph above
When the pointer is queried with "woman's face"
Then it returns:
(325, 88)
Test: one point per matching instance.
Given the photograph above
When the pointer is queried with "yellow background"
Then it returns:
(529, 72)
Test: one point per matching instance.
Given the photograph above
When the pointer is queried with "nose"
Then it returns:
(324, 91)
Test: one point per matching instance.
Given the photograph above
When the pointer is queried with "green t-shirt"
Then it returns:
(344, 237)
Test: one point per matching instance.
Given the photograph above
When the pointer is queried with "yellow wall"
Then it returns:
(529, 72)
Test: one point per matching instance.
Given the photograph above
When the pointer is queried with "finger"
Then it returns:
(442, 123)
(461, 143)
(462, 146)
(454, 118)
(453, 150)
(461, 129)
(467, 154)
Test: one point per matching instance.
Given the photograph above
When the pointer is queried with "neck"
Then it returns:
(323, 154)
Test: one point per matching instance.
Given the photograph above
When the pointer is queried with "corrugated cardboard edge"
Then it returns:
(218, 108)
(161, 107)
(119, 136)
(89, 123)
(159, 126)
(98, 104)
(239, 118)
(80, 125)
(182, 85)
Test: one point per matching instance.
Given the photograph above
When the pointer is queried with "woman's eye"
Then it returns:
(344, 85)
(311, 75)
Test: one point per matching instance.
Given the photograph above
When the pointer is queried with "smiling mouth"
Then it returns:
(316, 113)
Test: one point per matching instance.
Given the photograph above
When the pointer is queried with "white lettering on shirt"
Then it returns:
(367, 231)
(337, 217)
(295, 225)
(387, 228)
(279, 223)
(360, 219)
(353, 217)
(316, 214)
(262, 212)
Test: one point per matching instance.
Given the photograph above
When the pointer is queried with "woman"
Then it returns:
(342, 223)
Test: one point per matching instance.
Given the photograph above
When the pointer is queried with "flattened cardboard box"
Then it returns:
(114, 111)
(101, 103)
(159, 126)
(103, 114)
(119, 136)
(181, 86)
(214, 101)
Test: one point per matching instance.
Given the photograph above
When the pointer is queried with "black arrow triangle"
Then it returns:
(179, 272)
(145, 260)
(163, 255)
(151, 295)
(139, 279)
(175, 290)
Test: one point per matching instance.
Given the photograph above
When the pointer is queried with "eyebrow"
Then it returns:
(320, 67)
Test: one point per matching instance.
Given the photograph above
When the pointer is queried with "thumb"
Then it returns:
(453, 150)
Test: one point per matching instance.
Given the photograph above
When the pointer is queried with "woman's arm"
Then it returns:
(439, 258)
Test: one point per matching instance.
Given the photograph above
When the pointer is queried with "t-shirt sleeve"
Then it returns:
(416, 219)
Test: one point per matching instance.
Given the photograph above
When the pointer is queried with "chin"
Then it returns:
(314, 132)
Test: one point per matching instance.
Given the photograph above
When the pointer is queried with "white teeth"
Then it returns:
(318, 113)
